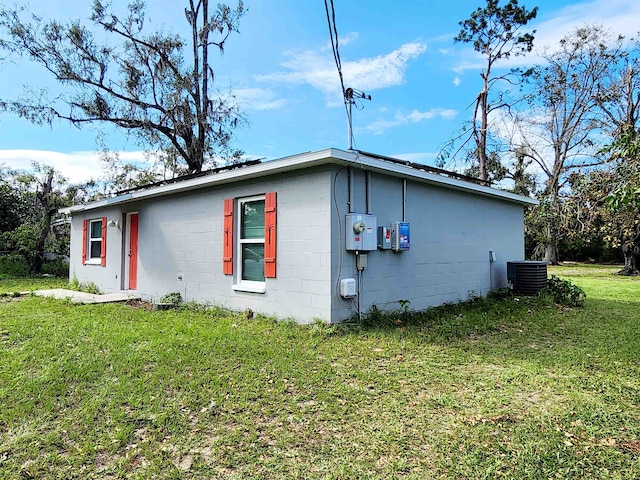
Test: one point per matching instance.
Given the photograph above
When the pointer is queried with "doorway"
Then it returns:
(130, 256)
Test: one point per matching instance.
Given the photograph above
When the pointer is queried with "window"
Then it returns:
(255, 235)
(251, 240)
(94, 241)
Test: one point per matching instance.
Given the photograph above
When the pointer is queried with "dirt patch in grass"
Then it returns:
(139, 305)
(11, 298)
(631, 446)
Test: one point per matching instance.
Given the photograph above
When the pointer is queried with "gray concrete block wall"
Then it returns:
(180, 239)
(107, 278)
(180, 247)
(452, 233)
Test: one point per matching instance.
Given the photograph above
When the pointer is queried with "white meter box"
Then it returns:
(361, 232)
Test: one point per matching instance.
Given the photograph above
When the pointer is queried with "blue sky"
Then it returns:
(281, 69)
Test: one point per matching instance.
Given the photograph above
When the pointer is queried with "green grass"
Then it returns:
(519, 389)
(28, 284)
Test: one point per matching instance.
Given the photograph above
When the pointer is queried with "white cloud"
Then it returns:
(457, 81)
(415, 157)
(258, 99)
(342, 41)
(379, 126)
(77, 167)
(417, 116)
(618, 16)
(367, 74)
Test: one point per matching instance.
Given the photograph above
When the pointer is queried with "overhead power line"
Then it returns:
(349, 95)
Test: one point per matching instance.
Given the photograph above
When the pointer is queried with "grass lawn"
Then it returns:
(519, 389)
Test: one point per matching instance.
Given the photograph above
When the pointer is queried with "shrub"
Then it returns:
(13, 265)
(88, 287)
(565, 292)
(173, 297)
(58, 268)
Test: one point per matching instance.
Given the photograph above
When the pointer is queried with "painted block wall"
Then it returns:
(452, 233)
(180, 239)
(107, 278)
(180, 247)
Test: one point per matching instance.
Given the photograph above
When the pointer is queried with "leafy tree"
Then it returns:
(516, 173)
(39, 194)
(495, 32)
(623, 203)
(12, 205)
(155, 85)
(562, 129)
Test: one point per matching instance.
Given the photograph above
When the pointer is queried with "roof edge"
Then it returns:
(304, 160)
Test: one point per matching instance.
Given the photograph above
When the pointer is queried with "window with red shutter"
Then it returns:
(255, 257)
(94, 242)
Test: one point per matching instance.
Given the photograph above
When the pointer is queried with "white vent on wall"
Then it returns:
(348, 287)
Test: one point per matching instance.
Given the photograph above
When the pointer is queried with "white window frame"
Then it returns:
(240, 284)
(90, 240)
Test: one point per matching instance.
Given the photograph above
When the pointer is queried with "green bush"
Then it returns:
(173, 297)
(13, 265)
(565, 292)
(57, 268)
(88, 287)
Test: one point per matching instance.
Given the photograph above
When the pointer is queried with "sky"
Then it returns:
(281, 69)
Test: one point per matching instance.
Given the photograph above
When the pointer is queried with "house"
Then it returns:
(320, 235)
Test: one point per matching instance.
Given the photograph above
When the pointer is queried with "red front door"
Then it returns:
(133, 252)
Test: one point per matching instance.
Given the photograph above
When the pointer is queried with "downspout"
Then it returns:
(350, 189)
(367, 186)
(404, 199)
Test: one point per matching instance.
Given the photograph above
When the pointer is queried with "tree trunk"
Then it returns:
(550, 254)
(45, 222)
(550, 249)
(629, 253)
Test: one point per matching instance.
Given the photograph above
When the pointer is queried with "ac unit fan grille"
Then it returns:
(527, 277)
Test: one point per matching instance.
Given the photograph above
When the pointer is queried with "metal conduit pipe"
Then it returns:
(404, 199)
(367, 186)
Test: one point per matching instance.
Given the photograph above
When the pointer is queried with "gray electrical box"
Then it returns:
(384, 238)
(361, 232)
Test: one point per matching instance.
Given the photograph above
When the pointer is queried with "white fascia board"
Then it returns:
(296, 162)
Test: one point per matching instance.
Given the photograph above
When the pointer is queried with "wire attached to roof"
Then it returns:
(348, 94)
(333, 34)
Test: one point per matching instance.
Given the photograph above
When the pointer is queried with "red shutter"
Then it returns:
(270, 235)
(227, 239)
(84, 241)
(103, 250)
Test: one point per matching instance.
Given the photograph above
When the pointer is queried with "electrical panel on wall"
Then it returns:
(401, 237)
(361, 232)
(384, 238)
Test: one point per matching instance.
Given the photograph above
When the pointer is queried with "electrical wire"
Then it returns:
(333, 35)
(347, 93)
(340, 242)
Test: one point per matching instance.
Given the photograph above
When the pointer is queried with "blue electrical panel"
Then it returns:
(401, 237)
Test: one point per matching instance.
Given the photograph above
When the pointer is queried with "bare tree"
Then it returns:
(155, 85)
(562, 131)
(494, 32)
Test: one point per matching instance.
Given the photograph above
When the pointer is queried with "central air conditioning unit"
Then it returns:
(527, 277)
